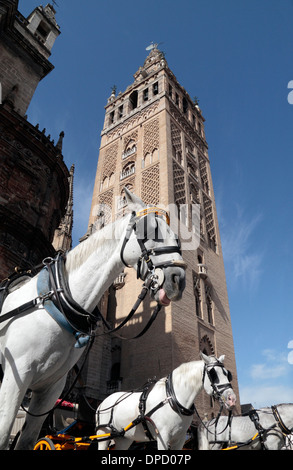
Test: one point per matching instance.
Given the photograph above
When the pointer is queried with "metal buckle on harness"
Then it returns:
(157, 277)
(48, 261)
(46, 296)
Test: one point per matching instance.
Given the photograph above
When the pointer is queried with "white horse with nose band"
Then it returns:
(163, 411)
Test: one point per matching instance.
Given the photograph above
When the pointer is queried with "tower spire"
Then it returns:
(63, 234)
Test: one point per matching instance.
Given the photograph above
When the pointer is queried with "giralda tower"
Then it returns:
(153, 143)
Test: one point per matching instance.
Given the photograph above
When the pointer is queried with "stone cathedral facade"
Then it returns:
(153, 142)
(35, 184)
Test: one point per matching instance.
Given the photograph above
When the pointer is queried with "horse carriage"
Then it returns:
(48, 319)
(161, 418)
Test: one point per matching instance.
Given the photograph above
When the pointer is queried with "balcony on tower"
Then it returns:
(202, 270)
(128, 170)
(128, 152)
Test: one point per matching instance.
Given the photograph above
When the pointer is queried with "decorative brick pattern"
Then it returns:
(151, 136)
(208, 211)
(110, 160)
(179, 184)
(150, 191)
(106, 199)
(132, 136)
(176, 137)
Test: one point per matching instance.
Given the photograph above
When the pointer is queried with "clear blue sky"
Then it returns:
(236, 56)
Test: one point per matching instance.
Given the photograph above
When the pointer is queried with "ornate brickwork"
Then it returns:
(179, 184)
(133, 136)
(106, 199)
(138, 118)
(110, 160)
(151, 136)
(150, 191)
(203, 173)
(210, 223)
(176, 141)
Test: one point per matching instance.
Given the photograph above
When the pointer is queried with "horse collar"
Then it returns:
(279, 420)
(54, 293)
(174, 403)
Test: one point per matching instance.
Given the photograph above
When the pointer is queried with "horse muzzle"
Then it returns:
(228, 398)
(173, 284)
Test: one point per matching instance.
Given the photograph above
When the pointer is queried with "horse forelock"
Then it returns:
(107, 238)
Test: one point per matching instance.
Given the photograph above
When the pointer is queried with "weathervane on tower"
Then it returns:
(153, 45)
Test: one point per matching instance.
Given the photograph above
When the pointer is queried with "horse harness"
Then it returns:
(54, 293)
(145, 418)
(261, 431)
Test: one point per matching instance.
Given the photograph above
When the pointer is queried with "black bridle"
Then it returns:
(209, 370)
(141, 223)
(211, 373)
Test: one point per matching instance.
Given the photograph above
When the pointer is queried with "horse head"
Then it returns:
(216, 380)
(151, 247)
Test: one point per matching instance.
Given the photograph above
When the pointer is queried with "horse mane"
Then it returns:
(190, 372)
(104, 237)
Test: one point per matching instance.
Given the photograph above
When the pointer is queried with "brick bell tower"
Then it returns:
(153, 142)
(34, 180)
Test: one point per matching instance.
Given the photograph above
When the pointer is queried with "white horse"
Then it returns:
(262, 429)
(36, 352)
(168, 406)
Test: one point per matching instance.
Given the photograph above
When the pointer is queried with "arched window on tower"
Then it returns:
(197, 295)
(210, 304)
(133, 99)
(185, 105)
(127, 170)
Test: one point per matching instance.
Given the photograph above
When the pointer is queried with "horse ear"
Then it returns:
(204, 357)
(134, 202)
(221, 358)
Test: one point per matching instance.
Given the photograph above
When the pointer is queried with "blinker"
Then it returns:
(214, 376)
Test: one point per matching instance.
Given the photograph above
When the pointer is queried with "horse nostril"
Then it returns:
(175, 279)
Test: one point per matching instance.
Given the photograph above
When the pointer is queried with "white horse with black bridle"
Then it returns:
(262, 429)
(39, 344)
(163, 412)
